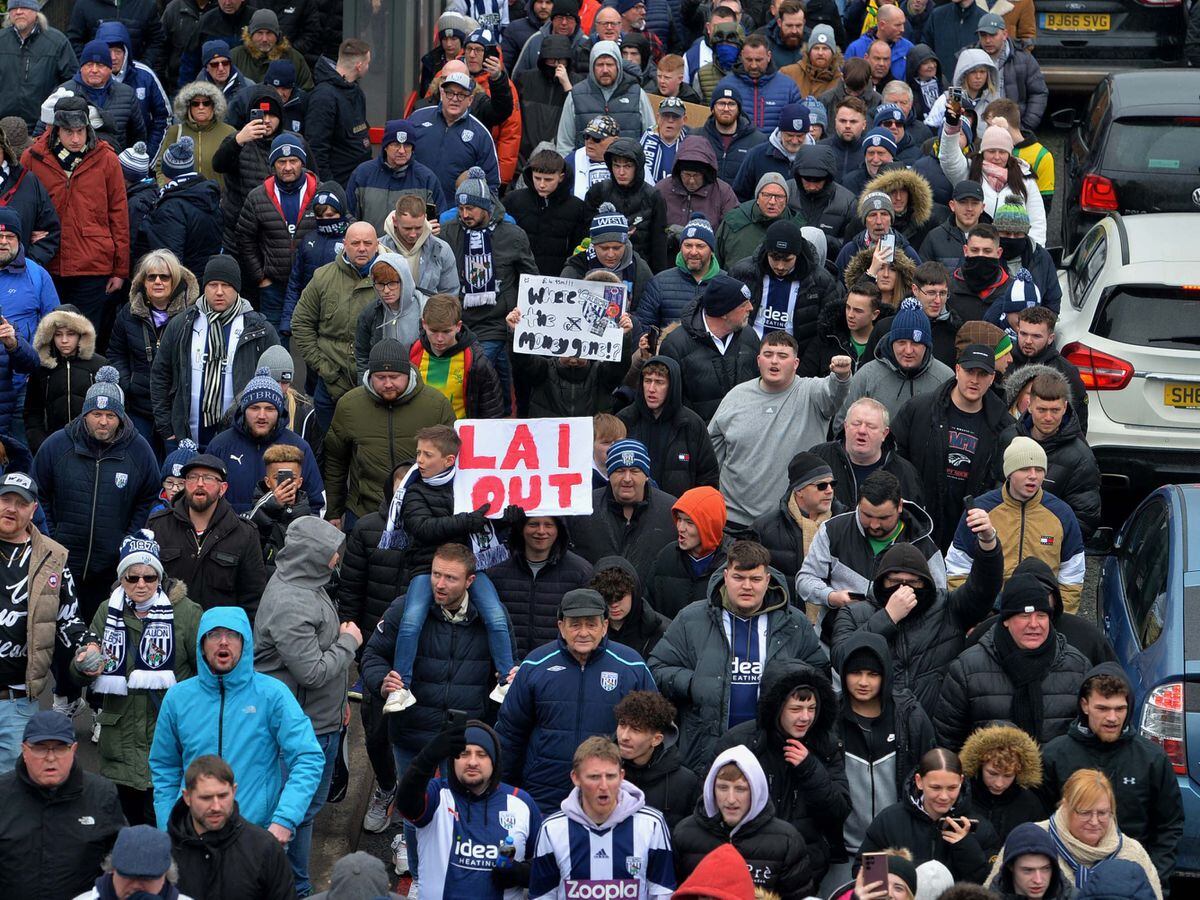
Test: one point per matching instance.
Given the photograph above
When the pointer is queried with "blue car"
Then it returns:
(1149, 598)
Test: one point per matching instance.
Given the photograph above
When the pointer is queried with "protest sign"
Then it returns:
(543, 466)
(569, 317)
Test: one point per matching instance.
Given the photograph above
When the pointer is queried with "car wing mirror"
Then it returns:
(1064, 118)
(1102, 543)
(1056, 254)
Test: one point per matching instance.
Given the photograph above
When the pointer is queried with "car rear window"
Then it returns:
(1155, 145)
(1151, 317)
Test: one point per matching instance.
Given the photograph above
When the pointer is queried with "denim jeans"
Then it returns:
(14, 714)
(299, 848)
(497, 353)
(323, 404)
(403, 759)
(270, 302)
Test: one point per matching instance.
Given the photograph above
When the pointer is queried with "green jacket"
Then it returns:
(325, 319)
(127, 723)
(368, 438)
(742, 230)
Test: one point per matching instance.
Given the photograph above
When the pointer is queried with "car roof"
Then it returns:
(1158, 89)
(1191, 504)
(1154, 238)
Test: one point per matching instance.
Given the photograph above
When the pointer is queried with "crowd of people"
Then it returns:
(819, 634)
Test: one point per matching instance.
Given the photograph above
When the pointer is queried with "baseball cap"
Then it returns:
(968, 190)
(672, 106)
(205, 461)
(461, 79)
(582, 602)
(978, 356)
(20, 484)
(990, 24)
(602, 127)
(49, 725)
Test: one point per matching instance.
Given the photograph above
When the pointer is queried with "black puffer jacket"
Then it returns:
(607, 533)
(585, 261)
(928, 639)
(371, 576)
(833, 339)
(238, 860)
(674, 584)
(531, 598)
(813, 796)
(681, 452)
(845, 489)
(731, 156)
(774, 851)
(640, 203)
(904, 825)
(134, 340)
(1071, 471)
(54, 394)
(185, 219)
(555, 225)
(668, 785)
(977, 691)
(336, 123)
(140, 198)
(266, 243)
(429, 518)
(707, 376)
(557, 390)
(833, 207)
(453, 670)
(541, 96)
(815, 287)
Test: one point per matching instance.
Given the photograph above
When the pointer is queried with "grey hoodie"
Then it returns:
(884, 380)
(296, 637)
(630, 801)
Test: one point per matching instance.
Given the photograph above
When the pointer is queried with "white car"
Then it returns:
(1130, 322)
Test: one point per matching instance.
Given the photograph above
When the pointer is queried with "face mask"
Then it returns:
(980, 272)
(726, 55)
(1013, 247)
(332, 227)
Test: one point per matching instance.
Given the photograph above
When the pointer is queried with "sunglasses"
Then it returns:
(220, 64)
(824, 485)
(200, 101)
(134, 579)
(156, 276)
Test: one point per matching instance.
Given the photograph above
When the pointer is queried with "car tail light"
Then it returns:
(1162, 722)
(1098, 195)
(1098, 371)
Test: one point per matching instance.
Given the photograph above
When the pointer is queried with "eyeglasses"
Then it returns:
(201, 101)
(824, 485)
(158, 276)
(43, 751)
(934, 293)
(387, 285)
(1093, 815)
(134, 579)
(196, 478)
(773, 198)
(455, 95)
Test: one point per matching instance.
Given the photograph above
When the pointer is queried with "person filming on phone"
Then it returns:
(279, 499)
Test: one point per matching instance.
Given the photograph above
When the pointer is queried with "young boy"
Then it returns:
(171, 473)
(450, 359)
(426, 503)
(554, 218)
(66, 342)
(607, 429)
(279, 498)
(646, 737)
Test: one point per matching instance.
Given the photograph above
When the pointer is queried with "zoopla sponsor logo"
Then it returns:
(588, 889)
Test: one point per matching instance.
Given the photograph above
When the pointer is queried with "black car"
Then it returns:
(1081, 41)
(1135, 150)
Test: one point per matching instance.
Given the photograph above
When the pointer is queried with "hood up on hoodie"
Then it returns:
(304, 559)
(232, 618)
(697, 150)
(722, 875)
(554, 46)
(674, 401)
(629, 802)
(1112, 670)
(627, 148)
(609, 48)
(639, 589)
(780, 678)
(493, 752)
(706, 507)
(902, 558)
(973, 58)
(867, 642)
(1030, 838)
(113, 31)
(750, 767)
(814, 156)
(407, 285)
(920, 195)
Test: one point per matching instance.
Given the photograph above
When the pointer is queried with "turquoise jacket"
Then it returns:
(250, 720)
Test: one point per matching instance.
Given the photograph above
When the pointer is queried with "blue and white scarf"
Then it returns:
(1063, 844)
(478, 271)
(154, 657)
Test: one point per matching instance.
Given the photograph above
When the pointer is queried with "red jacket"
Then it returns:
(91, 205)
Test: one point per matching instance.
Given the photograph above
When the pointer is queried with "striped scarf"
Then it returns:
(154, 657)
(1081, 857)
(394, 536)
(212, 392)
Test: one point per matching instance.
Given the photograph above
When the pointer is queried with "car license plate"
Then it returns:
(1182, 396)
(1076, 21)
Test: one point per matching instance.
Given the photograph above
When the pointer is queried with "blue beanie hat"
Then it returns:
(609, 224)
(287, 144)
(817, 114)
(262, 388)
(795, 117)
(97, 52)
(180, 158)
(723, 295)
(880, 137)
(725, 94)
(172, 466)
(475, 191)
(10, 221)
(887, 112)
(105, 393)
(628, 454)
(281, 73)
(911, 324)
(700, 229)
(140, 549)
(398, 131)
(214, 49)
(480, 736)
(484, 37)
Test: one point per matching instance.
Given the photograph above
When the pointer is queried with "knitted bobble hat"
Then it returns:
(105, 393)
(135, 162)
(911, 324)
(474, 191)
(262, 388)
(140, 549)
(172, 466)
(609, 224)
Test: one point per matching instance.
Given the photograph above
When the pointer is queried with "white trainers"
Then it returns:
(95, 729)
(413, 891)
(69, 708)
(400, 854)
(379, 815)
(398, 701)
